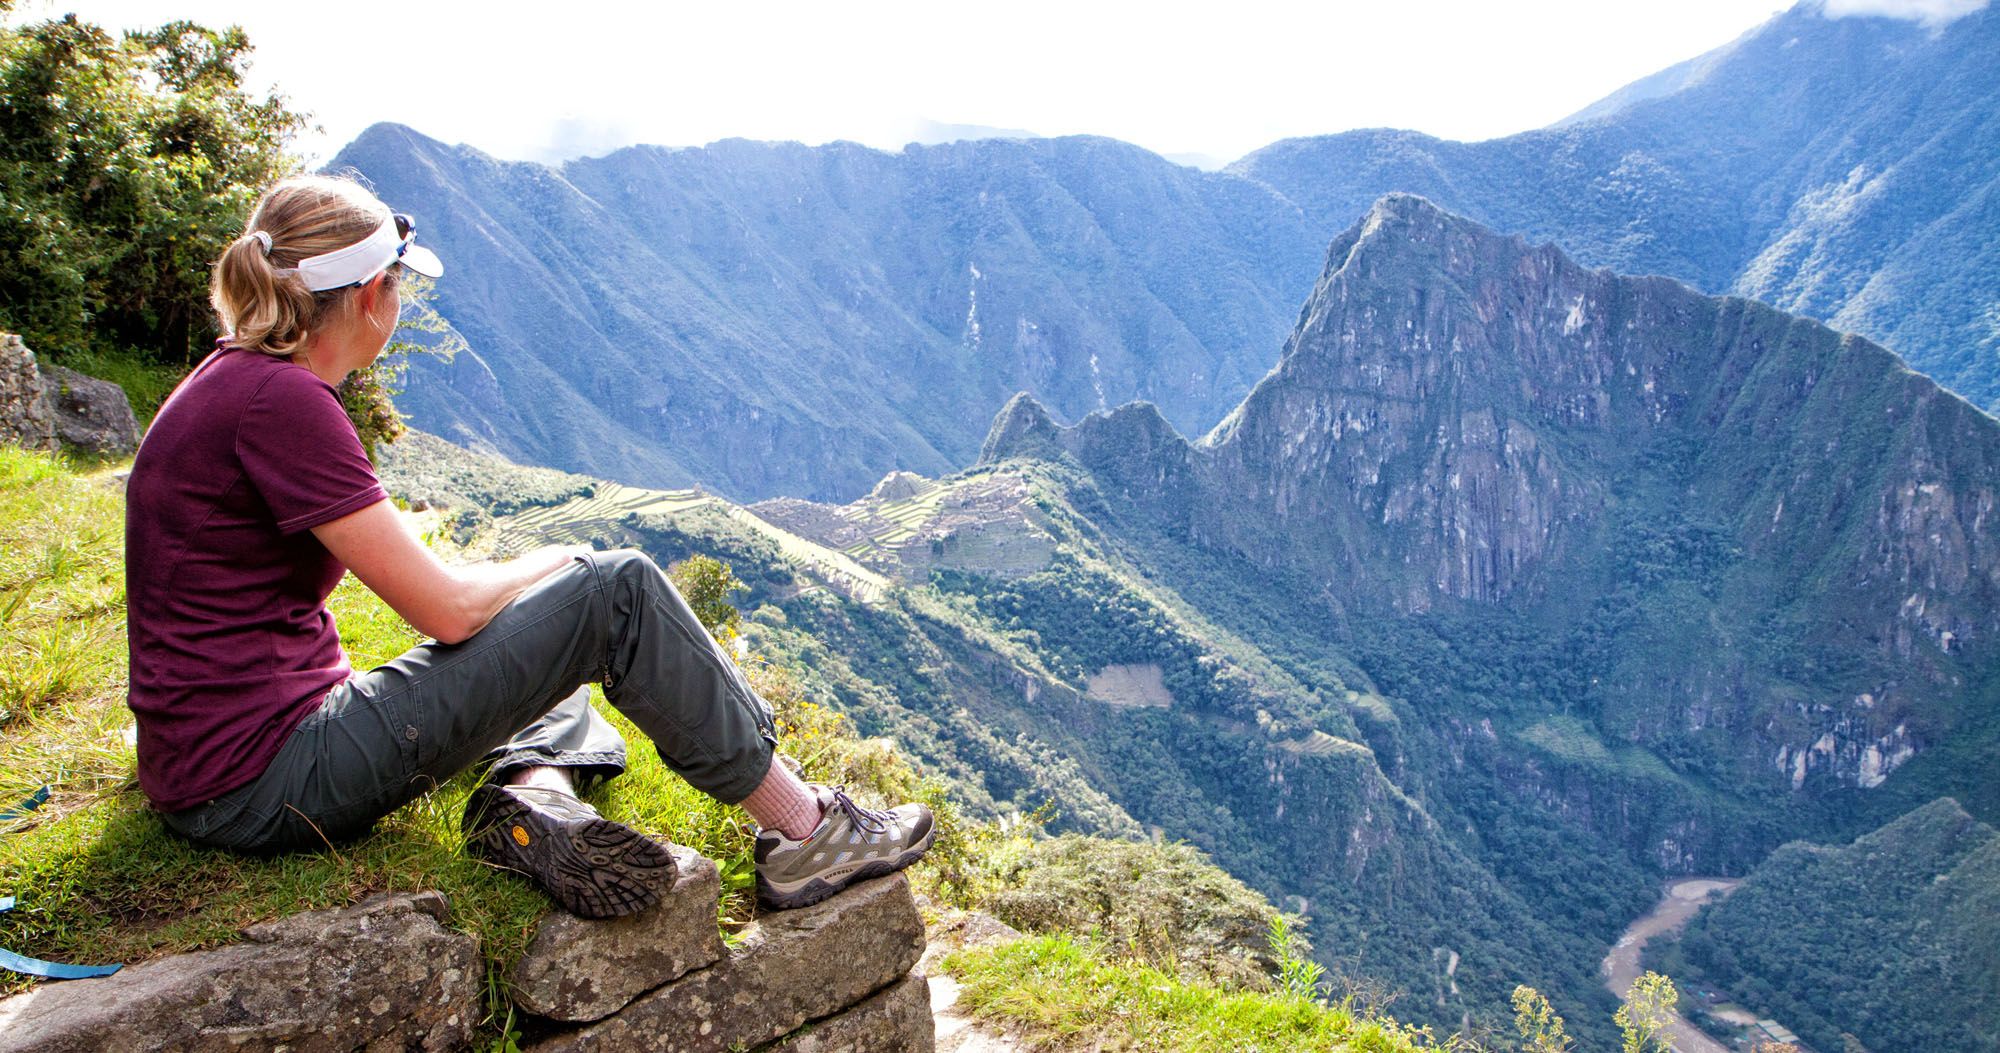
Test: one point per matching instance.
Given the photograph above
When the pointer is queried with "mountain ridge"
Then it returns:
(915, 283)
(775, 319)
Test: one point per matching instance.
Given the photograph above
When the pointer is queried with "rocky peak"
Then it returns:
(1456, 409)
(1022, 429)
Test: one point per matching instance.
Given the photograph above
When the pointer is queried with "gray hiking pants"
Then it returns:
(512, 694)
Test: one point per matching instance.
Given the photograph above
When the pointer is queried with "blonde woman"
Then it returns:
(249, 499)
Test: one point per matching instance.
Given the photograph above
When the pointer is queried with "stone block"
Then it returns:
(577, 969)
(792, 966)
(894, 1020)
(381, 975)
(90, 414)
(25, 416)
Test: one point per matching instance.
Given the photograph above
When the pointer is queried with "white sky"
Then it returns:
(547, 80)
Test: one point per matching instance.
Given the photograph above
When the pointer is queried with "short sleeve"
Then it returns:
(300, 452)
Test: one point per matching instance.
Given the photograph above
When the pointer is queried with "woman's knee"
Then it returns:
(627, 564)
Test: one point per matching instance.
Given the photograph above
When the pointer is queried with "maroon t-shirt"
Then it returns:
(226, 586)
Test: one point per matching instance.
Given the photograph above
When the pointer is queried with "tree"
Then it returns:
(368, 394)
(1646, 1013)
(706, 583)
(1541, 1029)
(126, 165)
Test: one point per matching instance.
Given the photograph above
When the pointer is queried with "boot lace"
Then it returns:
(873, 820)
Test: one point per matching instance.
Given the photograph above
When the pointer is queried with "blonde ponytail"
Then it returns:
(258, 296)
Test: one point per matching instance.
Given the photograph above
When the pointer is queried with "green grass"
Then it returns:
(1059, 993)
(100, 879)
(1571, 739)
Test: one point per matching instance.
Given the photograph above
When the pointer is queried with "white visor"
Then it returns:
(367, 258)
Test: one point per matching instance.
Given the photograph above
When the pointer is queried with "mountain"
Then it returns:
(1514, 587)
(1842, 168)
(1734, 536)
(773, 319)
(1893, 939)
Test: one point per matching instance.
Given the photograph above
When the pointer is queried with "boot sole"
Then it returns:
(593, 868)
(815, 891)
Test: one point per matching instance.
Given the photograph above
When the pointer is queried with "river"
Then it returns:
(1621, 966)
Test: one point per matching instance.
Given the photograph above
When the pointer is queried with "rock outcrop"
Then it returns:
(46, 406)
(793, 967)
(383, 975)
(897, 1020)
(581, 970)
(90, 414)
(25, 417)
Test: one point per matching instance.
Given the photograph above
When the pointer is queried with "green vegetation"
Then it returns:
(1162, 904)
(1893, 939)
(126, 165)
(430, 470)
(1062, 993)
(1647, 1011)
(1540, 1028)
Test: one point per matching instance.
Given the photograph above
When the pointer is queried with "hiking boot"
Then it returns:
(591, 866)
(850, 844)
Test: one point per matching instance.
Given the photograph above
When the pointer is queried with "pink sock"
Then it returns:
(783, 803)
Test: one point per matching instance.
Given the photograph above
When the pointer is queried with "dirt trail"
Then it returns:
(1621, 966)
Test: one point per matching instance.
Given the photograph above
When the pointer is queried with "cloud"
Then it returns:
(571, 136)
(1932, 13)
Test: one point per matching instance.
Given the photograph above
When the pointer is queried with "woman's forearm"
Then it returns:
(445, 602)
(485, 589)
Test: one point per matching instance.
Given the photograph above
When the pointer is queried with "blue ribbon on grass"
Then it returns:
(21, 963)
(35, 800)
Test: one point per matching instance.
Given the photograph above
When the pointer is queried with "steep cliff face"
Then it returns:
(1746, 532)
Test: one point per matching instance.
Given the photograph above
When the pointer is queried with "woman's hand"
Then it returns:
(445, 602)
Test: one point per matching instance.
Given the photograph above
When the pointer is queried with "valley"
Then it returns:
(1682, 899)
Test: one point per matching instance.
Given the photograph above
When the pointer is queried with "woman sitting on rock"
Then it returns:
(251, 496)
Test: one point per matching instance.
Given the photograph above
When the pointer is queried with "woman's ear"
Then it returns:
(368, 293)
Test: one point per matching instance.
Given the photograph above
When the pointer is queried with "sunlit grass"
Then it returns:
(1060, 993)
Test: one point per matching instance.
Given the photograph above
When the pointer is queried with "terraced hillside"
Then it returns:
(910, 525)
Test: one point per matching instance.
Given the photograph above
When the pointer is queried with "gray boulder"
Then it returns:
(793, 966)
(576, 969)
(894, 1020)
(25, 417)
(381, 975)
(90, 414)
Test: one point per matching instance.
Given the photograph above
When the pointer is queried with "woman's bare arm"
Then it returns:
(446, 602)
